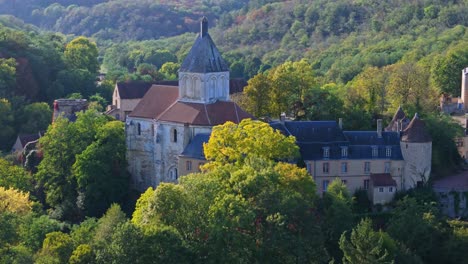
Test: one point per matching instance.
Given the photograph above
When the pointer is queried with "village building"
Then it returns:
(68, 108)
(169, 118)
(381, 162)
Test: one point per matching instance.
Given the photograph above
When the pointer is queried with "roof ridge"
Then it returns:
(207, 116)
(167, 109)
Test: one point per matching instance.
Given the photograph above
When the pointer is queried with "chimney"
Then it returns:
(203, 27)
(379, 128)
(282, 117)
(340, 123)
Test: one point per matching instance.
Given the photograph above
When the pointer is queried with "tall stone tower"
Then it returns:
(204, 75)
(416, 147)
(464, 88)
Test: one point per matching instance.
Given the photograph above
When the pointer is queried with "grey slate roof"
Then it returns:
(195, 148)
(204, 57)
(313, 136)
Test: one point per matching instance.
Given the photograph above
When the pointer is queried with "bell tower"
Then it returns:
(204, 75)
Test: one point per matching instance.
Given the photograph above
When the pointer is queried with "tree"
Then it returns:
(338, 216)
(234, 143)
(12, 176)
(170, 70)
(57, 248)
(14, 201)
(34, 229)
(416, 225)
(60, 145)
(257, 94)
(7, 77)
(6, 122)
(446, 72)
(81, 53)
(101, 170)
(36, 117)
(365, 246)
(83, 254)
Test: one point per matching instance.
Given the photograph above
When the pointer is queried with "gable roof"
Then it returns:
(399, 116)
(416, 131)
(195, 148)
(382, 180)
(133, 89)
(156, 100)
(204, 57)
(160, 103)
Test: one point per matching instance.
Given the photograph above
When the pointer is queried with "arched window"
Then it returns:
(138, 129)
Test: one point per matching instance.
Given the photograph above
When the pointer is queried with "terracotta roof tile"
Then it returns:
(156, 101)
(382, 179)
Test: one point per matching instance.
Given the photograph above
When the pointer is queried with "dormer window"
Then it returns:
(388, 152)
(375, 151)
(344, 152)
(326, 152)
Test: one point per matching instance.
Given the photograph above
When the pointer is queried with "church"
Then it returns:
(169, 118)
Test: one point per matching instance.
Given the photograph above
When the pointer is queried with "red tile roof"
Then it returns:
(382, 180)
(156, 100)
(160, 103)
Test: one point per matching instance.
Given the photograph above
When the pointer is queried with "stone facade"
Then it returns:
(68, 108)
(168, 119)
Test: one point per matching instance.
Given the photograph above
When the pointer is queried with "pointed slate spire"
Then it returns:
(204, 57)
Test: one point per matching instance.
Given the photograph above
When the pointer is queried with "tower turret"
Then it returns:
(416, 147)
(204, 75)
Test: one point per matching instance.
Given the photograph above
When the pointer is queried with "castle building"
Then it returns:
(169, 118)
(380, 162)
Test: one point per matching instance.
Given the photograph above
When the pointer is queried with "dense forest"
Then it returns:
(314, 60)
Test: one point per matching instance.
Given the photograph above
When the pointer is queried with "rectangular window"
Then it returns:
(367, 167)
(388, 151)
(387, 167)
(344, 152)
(344, 182)
(325, 185)
(381, 189)
(375, 151)
(366, 184)
(344, 167)
(390, 189)
(188, 165)
(326, 152)
(326, 167)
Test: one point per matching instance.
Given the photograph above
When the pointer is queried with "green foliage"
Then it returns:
(82, 54)
(6, 122)
(250, 212)
(338, 216)
(34, 228)
(36, 117)
(234, 143)
(100, 170)
(83, 254)
(57, 247)
(417, 225)
(12, 176)
(7, 77)
(364, 245)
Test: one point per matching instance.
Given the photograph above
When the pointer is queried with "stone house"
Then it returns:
(382, 188)
(68, 108)
(126, 97)
(169, 118)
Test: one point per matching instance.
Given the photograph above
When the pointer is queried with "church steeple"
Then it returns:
(204, 75)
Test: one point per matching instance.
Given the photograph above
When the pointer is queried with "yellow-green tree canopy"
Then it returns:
(14, 201)
(234, 143)
(81, 53)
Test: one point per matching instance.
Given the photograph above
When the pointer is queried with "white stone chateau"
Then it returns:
(168, 118)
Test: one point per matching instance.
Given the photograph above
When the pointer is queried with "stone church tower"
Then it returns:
(168, 118)
(204, 75)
